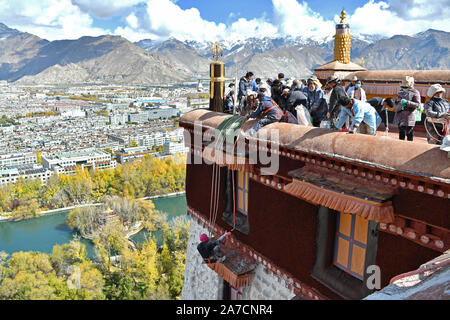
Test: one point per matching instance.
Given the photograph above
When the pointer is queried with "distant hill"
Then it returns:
(16, 50)
(106, 59)
(299, 57)
(28, 59)
(426, 50)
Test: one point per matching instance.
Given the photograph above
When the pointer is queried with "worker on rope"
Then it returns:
(210, 249)
(437, 110)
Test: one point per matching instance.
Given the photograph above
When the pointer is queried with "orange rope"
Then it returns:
(234, 203)
(234, 190)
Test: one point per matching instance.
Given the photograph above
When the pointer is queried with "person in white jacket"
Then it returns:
(357, 92)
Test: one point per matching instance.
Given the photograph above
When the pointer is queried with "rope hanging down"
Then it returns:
(234, 188)
(222, 133)
(216, 177)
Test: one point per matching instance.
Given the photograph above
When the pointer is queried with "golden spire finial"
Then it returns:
(343, 16)
(216, 51)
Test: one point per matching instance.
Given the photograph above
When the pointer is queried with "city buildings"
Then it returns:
(87, 159)
(130, 154)
(17, 159)
(25, 172)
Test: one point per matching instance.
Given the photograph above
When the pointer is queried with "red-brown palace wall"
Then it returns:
(283, 228)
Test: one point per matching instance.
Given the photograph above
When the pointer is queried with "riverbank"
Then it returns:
(167, 195)
(43, 233)
(5, 217)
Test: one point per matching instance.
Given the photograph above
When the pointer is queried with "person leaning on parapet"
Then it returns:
(317, 105)
(357, 92)
(210, 249)
(365, 118)
(294, 98)
(437, 110)
(381, 105)
(245, 84)
(407, 102)
(270, 111)
(338, 93)
(229, 98)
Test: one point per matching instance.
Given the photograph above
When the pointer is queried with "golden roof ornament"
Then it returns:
(216, 51)
(343, 16)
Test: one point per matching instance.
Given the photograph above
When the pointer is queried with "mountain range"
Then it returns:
(28, 59)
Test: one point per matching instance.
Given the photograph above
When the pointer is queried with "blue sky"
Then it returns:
(220, 10)
(220, 20)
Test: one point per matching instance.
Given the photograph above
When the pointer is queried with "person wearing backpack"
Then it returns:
(270, 111)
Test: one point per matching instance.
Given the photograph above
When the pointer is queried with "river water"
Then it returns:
(41, 234)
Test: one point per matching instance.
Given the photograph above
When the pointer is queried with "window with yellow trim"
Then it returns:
(242, 181)
(351, 244)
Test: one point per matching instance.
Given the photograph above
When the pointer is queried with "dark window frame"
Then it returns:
(228, 217)
(337, 280)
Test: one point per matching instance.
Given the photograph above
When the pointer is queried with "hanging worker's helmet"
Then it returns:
(204, 238)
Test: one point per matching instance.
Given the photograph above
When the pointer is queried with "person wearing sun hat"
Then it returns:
(407, 102)
(436, 109)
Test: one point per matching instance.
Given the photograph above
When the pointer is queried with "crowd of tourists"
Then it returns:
(335, 107)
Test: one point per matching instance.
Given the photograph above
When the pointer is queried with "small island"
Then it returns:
(115, 216)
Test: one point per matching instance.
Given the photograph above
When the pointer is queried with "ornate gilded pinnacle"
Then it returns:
(216, 51)
(343, 16)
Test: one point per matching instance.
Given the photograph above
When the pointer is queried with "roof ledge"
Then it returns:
(411, 158)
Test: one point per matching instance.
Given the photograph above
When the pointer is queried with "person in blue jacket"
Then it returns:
(270, 111)
(365, 118)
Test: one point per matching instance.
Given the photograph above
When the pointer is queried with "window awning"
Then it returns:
(237, 270)
(342, 192)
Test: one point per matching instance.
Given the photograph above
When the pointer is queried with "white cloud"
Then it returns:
(297, 19)
(379, 18)
(105, 8)
(49, 19)
(421, 9)
(165, 19)
(256, 28)
(134, 35)
(132, 21)
(160, 19)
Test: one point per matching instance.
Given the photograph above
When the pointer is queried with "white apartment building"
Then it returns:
(89, 158)
(141, 117)
(130, 154)
(175, 147)
(163, 112)
(15, 159)
(26, 172)
(7, 129)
